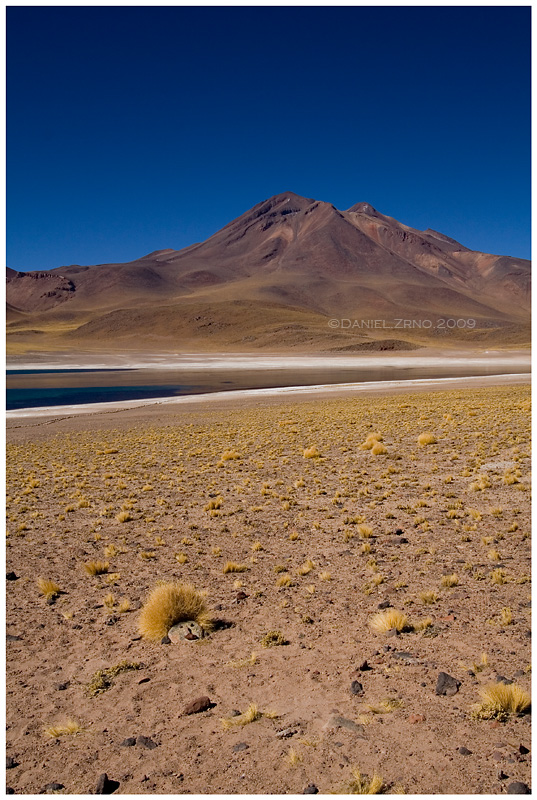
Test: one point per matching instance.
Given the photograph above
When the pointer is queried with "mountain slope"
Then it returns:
(288, 258)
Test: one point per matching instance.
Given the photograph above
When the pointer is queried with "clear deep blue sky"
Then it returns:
(132, 129)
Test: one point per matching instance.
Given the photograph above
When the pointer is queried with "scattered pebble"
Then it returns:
(198, 705)
(105, 785)
(517, 787)
(414, 718)
(129, 742)
(447, 685)
(364, 666)
(11, 763)
(385, 604)
(464, 751)
(311, 789)
(11, 576)
(502, 679)
(523, 750)
(10, 637)
(165, 640)
(188, 631)
(53, 787)
(357, 688)
(61, 687)
(147, 742)
(240, 746)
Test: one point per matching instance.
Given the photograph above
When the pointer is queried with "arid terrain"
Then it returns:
(291, 274)
(302, 519)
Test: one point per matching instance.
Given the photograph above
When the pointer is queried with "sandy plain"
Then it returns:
(199, 484)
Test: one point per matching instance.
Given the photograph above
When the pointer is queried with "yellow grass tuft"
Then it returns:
(449, 580)
(123, 516)
(96, 567)
(229, 455)
(499, 700)
(68, 728)
(170, 603)
(379, 449)
(364, 531)
(251, 714)
(311, 452)
(49, 589)
(306, 567)
(273, 639)
(231, 566)
(371, 440)
(293, 757)
(386, 620)
(361, 784)
(497, 576)
(426, 438)
(428, 598)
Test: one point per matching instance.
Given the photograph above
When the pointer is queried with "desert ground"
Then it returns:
(302, 519)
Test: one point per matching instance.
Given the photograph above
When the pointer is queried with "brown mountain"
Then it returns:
(274, 277)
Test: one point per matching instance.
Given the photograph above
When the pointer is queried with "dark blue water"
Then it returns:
(67, 396)
(60, 371)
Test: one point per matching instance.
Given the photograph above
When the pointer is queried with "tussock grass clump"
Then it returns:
(371, 440)
(229, 455)
(497, 576)
(379, 449)
(428, 598)
(365, 531)
(448, 581)
(361, 784)
(386, 620)
(170, 603)
(284, 580)
(273, 639)
(123, 516)
(49, 589)
(426, 438)
(499, 700)
(68, 728)
(104, 678)
(96, 567)
(231, 566)
(306, 567)
(251, 714)
(311, 452)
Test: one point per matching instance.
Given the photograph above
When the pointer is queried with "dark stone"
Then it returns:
(111, 620)
(106, 785)
(144, 680)
(11, 763)
(464, 751)
(502, 775)
(357, 688)
(517, 787)
(198, 705)
(240, 746)
(502, 679)
(240, 596)
(53, 787)
(10, 790)
(343, 722)
(165, 640)
(61, 687)
(311, 789)
(129, 742)
(147, 742)
(399, 532)
(518, 674)
(364, 666)
(385, 604)
(392, 632)
(523, 750)
(11, 576)
(405, 656)
(447, 685)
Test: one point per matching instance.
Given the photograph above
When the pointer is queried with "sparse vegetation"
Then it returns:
(170, 603)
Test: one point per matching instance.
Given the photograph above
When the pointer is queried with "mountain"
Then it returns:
(273, 278)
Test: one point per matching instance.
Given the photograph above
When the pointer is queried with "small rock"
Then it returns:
(240, 746)
(198, 705)
(129, 742)
(11, 576)
(357, 688)
(11, 763)
(385, 604)
(185, 631)
(105, 785)
(399, 532)
(61, 687)
(147, 742)
(403, 655)
(523, 750)
(10, 790)
(112, 620)
(240, 596)
(517, 787)
(311, 789)
(497, 756)
(364, 666)
(343, 722)
(414, 718)
(143, 680)
(464, 751)
(392, 632)
(10, 637)
(53, 787)
(502, 776)
(502, 679)
(286, 733)
(518, 674)
(447, 685)
(165, 640)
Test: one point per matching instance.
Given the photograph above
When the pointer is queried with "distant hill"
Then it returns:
(273, 278)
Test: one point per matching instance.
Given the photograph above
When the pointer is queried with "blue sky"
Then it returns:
(131, 129)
